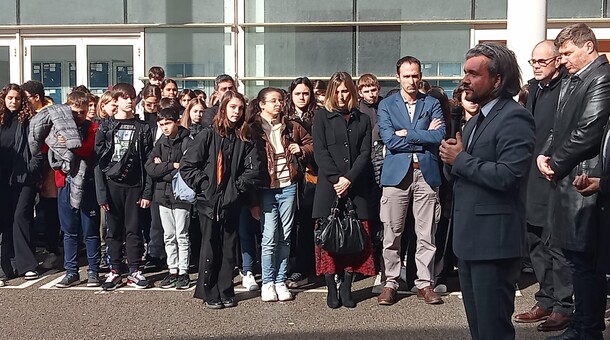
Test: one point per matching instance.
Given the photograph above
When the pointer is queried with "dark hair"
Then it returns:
(440, 94)
(156, 72)
(124, 90)
(25, 109)
(81, 88)
(197, 92)
(186, 115)
(254, 108)
(79, 99)
(34, 87)
(391, 92)
(168, 114)
(578, 34)
(523, 94)
(151, 90)
(221, 122)
(168, 103)
(319, 85)
(424, 85)
(457, 95)
(407, 60)
(311, 106)
(185, 92)
(503, 63)
(168, 81)
(221, 79)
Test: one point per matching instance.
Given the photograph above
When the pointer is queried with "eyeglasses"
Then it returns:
(541, 62)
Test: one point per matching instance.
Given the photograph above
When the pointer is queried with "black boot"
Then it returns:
(345, 290)
(332, 300)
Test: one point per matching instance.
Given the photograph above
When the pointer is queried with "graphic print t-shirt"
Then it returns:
(123, 137)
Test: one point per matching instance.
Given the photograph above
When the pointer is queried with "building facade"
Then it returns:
(64, 43)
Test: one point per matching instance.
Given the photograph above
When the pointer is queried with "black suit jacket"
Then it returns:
(489, 188)
(542, 103)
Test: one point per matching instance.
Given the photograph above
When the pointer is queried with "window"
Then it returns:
(8, 11)
(490, 9)
(175, 11)
(413, 10)
(298, 10)
(45, 12)
(574, 9)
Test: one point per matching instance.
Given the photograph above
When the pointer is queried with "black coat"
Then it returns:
(582, 112)
(169, 151)
(26, 166)
(542, 103)
(198, 169)
(603, 202)
(342, 149)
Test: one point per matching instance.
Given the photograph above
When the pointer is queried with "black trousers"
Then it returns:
(589, 295)
(124, 226)
(217, 256)
(552, 271)
(488, 291)
(23, 207)
(152, 231)
(48, 207)
(302, 248)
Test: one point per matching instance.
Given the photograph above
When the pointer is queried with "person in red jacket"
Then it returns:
(86, 219)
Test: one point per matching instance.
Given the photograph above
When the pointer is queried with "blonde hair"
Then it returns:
(338, 78)
(105, 98)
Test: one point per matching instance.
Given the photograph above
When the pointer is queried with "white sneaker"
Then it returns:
(249, 282)
(2, 282)
(268, 293)
(283, 294)
(50, 261)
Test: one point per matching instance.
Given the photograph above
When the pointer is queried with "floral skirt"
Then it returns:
(362, 262)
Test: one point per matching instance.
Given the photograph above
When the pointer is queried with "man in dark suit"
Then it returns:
(582, 111)
(554, 302)
(490, 168)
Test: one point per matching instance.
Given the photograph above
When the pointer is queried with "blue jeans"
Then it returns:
(74, 222)
(277, 219)
(249, 228)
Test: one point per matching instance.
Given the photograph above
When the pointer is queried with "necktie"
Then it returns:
(219, 167)
(479, 120)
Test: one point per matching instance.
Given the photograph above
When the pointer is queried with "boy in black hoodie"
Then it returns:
(162, 165)
(122, 145)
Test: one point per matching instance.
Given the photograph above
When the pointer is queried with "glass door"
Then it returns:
(9, 61)
(96, 62)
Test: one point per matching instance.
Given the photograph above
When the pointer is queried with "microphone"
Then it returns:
(457, 114)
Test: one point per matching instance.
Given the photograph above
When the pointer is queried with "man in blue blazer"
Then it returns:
(411, 126)
(490, 167)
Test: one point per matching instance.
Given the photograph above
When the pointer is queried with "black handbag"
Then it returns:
(341, 232)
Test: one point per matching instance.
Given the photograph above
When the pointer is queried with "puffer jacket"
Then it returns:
(170, 151)
(198, 169)
(57, 119)
(292, 132)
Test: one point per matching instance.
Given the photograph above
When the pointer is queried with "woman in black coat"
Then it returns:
(342, 150)
(19, 177)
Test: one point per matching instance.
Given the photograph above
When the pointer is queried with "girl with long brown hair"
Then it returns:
(222, 167)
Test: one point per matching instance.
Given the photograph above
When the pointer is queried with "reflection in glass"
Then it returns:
(109, 65)
(53, 66)
(299, 11)
(5, 67)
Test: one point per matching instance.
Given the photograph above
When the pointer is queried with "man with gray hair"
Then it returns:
(554, 303)
(490, 167)
(582, 112)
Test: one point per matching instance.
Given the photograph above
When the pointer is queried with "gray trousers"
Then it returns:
(393, 212)
(175, 222)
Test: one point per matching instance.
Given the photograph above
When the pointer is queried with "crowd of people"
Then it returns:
(167, 179)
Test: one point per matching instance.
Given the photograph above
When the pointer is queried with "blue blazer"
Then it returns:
(392, 115)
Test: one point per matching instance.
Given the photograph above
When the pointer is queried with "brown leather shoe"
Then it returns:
(429, 296)
(555, 322)
(534, 315)
(387, 297)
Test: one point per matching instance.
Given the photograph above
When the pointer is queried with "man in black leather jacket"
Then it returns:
(582, 112)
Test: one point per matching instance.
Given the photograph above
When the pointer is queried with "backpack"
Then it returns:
(180, 189)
